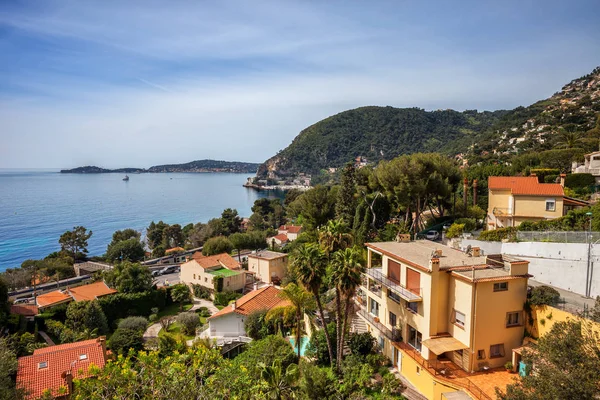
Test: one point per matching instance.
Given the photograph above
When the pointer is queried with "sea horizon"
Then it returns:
(37, 205)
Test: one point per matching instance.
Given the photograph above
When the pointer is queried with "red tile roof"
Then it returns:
(282, 237)
(59, 359)
(52, 298)
(261, 299)
(28, 310)
(291, 228)
(91, 291)
(218, 260)
(525, 185)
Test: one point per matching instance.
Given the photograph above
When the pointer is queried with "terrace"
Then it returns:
(377, 275)
(224, 272)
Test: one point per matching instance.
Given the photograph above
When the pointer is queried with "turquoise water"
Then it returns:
(303, 344)
(36, 207)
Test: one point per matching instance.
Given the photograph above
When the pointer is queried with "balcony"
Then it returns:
(393, 334)
(377, 275)
(502, 212)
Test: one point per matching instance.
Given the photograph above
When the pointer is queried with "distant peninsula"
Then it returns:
(194, 166)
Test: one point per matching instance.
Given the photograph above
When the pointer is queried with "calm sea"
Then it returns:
(36, 207)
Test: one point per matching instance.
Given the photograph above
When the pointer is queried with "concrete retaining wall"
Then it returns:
(563, 265)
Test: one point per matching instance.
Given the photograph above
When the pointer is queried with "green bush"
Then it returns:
(455, 230)
(544, 295)
(361, 344)
(135, 323)
(124, 339)
(543, 173)
(498, 235)
(218, 284)
(469, 224)
(550, 178)
(224, 298)
(188, 321)
(201, 292)
(579, 181)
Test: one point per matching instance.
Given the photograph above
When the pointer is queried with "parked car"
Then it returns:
(169, 270)
(447, 226)
(24, 301)
(432, 235)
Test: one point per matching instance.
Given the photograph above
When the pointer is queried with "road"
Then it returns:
(171, 278)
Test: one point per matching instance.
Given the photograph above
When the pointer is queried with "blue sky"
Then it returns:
(140, 83)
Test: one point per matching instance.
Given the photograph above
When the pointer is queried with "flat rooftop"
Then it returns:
(267, 255)
(224, 272)
(420, 252)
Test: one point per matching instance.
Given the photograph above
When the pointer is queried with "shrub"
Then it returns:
(218, 284)
(135, 323)
(317, 347)
(579, 181)
(469, 224)
(168, 344)
(201, 292)
(224, 298)
(122, 305)
(95, 318)
(217, 245)
(124, 339)
(544, 295)
(361, 344)
(256, 327)
(203, 312)
(153, 318)
(455, 230)
(498, 235)
(188, 321)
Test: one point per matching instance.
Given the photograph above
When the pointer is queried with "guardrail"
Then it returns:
(393, 334)
(408, 295)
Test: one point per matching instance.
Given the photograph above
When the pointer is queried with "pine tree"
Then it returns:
(95, 318)
(345, 206)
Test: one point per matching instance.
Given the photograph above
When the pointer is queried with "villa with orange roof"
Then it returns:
(229, 322)
(514, 199)
(201, 270)
(92, 291)
(52, 369)
(285, 234)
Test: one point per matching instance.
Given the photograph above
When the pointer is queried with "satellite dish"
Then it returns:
(468, 250)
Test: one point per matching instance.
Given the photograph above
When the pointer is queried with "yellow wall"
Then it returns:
(265, 269)
(524, 208)
(490, 320)
(461, 299)
(535, 206)
(550, 316)
(193, 273)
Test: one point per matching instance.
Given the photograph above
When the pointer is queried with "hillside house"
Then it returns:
(201, 270)
(91, 291)
(268, 266)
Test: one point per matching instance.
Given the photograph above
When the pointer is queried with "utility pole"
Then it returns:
(588, 239)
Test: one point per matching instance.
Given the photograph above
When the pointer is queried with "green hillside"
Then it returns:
(569, 119)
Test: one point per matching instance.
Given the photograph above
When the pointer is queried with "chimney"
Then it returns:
(68, 377)
(438, 253)
(434, 264)
(403, 237)
(475, 251)
(102, 341)
(562, 179)
(474, 192)
(255, 286)
(465, 192)
(233, 305)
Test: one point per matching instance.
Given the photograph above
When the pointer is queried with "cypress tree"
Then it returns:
(345, 206)
(95, 318)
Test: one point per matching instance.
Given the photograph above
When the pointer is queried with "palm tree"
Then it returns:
(301, 301)
(310, 265)
(334, 236)
(568, 139)
(280, 383)
(347, 268)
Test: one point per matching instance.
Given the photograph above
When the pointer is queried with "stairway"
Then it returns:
(358, 325)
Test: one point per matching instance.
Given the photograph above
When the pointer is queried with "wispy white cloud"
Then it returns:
(141, 83)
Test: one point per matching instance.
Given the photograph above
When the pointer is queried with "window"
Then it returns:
(414, 338)
(227, 283)
(374, 308)
(500, 286)
(513, 318)
(43, 364)
(393, 296)
(481, 354)
(381, 343)
(497, 350)
(550, 205)
(412, 307)
(194, 276)
(83, 356)
(392, 319)
(459, 319)
(418, 370)
(205, 279)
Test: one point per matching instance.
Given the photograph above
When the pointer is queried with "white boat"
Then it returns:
(126, 178)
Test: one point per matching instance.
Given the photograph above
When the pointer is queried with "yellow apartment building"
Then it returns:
(268, 266)
(201, 270)
(514, 199)
(434, 308)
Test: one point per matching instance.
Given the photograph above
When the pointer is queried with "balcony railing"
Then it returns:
(502, 212)
(393, 334)
(377, 275)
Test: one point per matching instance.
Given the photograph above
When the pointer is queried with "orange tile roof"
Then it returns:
(282, 237)
(291, 228)
(59, 359)
(525, 185)
(91, 291)
(223, 260)
(261, 299)
(174, 249)
(52, 298)
(28, 310)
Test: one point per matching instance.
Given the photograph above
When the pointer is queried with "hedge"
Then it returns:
(122, 305)
(499, 234)
(575, 181)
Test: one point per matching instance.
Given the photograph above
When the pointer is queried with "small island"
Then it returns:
(193, 166)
